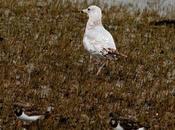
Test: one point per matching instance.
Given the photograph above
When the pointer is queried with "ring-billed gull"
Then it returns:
(97, 40)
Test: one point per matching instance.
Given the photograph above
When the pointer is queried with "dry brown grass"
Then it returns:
(42, 61)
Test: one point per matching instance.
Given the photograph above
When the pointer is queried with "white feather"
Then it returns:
(141, 128)
(119, 127)
(25, 117)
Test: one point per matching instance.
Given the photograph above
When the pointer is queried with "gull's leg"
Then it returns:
(90, 59)
(90, 64)
(99, 70)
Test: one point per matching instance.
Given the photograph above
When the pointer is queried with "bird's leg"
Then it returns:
(90, 59)
(99, 70)
(90, 65)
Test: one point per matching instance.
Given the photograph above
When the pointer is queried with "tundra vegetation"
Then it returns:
(43, 62)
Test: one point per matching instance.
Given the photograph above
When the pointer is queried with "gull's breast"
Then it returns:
(88, 45)
(97, 40)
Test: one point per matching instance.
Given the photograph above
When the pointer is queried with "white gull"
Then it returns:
(97, 40)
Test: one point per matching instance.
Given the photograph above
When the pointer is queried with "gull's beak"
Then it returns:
(84, 11)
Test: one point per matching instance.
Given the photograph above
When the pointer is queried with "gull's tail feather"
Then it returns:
(112, 54)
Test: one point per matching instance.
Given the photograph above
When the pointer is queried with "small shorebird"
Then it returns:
(97, 40)
(30, 115)
(118, 123)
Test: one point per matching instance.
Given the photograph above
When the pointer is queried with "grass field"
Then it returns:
(43, 62)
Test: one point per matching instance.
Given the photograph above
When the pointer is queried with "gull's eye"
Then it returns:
(89, 9)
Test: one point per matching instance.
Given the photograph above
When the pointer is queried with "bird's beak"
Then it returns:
(84, 11)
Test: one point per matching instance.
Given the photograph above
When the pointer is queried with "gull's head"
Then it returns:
(94, 12)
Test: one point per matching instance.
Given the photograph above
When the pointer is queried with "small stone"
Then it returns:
(18, 82)
(36, 36)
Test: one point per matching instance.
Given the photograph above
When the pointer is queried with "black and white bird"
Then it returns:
(119, 123)
(31, 115)
(97, 40)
